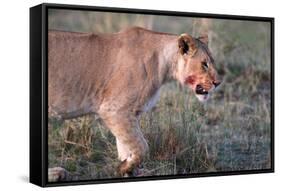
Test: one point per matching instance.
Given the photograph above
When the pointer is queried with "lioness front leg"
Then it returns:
(131, 145)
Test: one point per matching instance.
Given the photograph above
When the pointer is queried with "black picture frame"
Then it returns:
(39, 92)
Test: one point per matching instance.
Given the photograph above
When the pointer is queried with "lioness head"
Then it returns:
(195, 66)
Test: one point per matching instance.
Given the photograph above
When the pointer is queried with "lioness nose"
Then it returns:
(216, 83)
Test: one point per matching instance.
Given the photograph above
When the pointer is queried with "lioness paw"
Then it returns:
(57, 174)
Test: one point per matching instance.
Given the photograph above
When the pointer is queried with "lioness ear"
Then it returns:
(204, 39)
(186, 44)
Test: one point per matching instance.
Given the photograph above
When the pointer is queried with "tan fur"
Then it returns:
(116, 75)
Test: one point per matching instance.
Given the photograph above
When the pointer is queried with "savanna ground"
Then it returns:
(230, 132)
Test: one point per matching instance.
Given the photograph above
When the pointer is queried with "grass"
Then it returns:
(230, 132)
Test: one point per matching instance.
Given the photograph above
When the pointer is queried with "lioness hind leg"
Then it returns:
(57, 174)
(131, 145)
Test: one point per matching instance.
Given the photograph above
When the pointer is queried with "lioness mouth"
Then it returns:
(200, 90)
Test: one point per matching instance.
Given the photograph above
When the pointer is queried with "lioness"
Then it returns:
(118, 76)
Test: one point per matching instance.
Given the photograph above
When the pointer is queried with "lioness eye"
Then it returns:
(205, 65)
